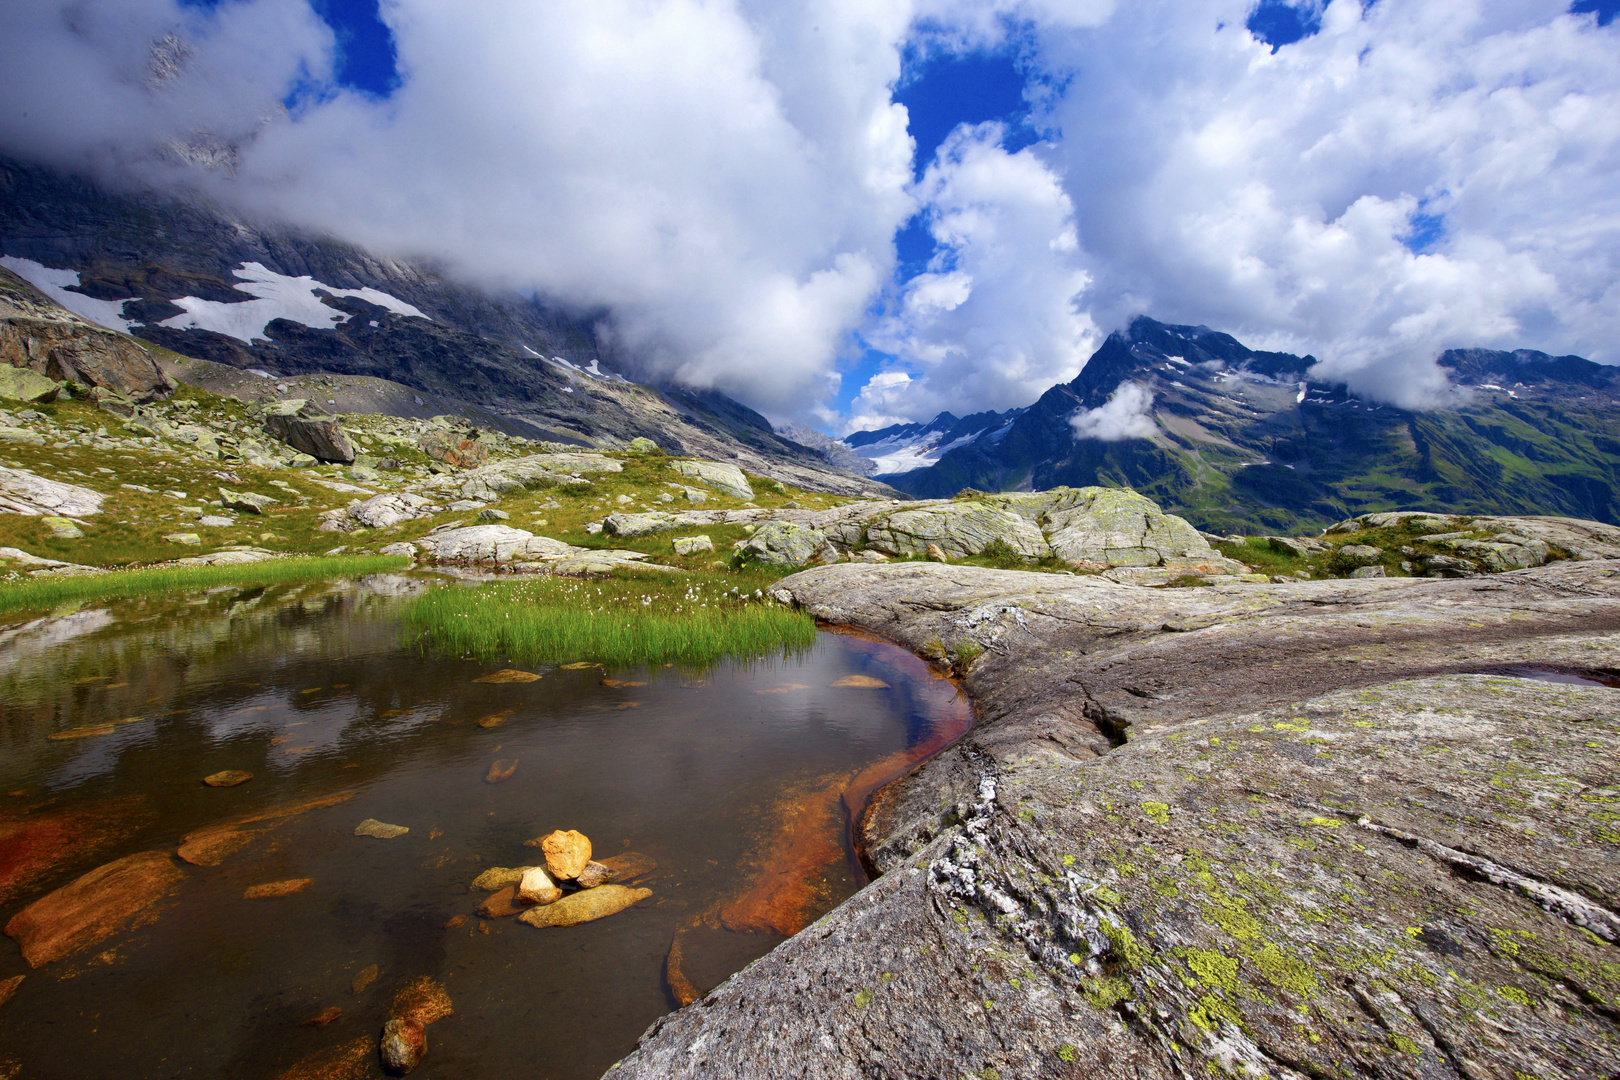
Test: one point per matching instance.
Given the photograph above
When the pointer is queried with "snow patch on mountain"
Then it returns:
(904, 448)
(277, 296)
(59, 286)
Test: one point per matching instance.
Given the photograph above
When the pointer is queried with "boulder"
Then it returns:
(785, 543)
(723, 477)
(492, 544)
(40, 335)
(585, 906)
(642, 445)
(630, 526)
(23, 492)
(189, 539)
(1117, 527)
(304, 427)
(1360, 554)
(566, 853)
(247, 502)
(693, 545)
(1299, 546)
(491, 514)
(460, 449)
(958, 530)
(402, 547)
(381, 511)
(20, 384)
(404, 1043)
(91, 909)
(62, 529)
(21, 435)
(1373, 571)
(537, 886)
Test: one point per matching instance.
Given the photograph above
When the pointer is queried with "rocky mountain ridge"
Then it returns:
(182, 273)
(1244, 441)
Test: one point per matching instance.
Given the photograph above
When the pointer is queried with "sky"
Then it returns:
(858, 212)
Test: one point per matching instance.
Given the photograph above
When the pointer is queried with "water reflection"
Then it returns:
(736, 781)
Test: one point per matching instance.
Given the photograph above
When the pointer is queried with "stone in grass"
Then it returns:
(508, 675)
(404, 1044)
(642, 445)
(248, 502)
(489, 513)
(1368, 572)
(538, 887)
(183, 538)
(1361, 554)
(215, 521)
(693, 545)
(62, 529)
(566, 853)
(381, 830)
(227, 778)
(502, 769)
(585, 906)
(272, 889)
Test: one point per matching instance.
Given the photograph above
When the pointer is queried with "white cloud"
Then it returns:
(1125, 415)
(995, 320)
(727, 175)
(1269, 195)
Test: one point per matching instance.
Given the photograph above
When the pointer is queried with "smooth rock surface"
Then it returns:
(21, 384)
(380, 830)
(306, 429)
(110, 898)
(498, 877)
(692, 545)
(23, 492)
(537, 886)
(1253, 829)
(958, 530)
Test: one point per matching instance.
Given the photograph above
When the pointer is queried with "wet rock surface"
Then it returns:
(1252, 829)
(91, 909)
(587, 905)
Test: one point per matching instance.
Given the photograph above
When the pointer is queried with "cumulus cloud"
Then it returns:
(1276, 195)
(727, 176)
(1125, 415)
(994, 321)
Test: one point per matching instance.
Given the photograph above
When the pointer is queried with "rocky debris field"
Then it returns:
(1361, 827)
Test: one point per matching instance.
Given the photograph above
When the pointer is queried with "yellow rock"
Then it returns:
(227, 778)
(497, 878)
(277, 888)
(862, 682)
(508, 676)
(381, 830)
(584, 906)
(566, 853)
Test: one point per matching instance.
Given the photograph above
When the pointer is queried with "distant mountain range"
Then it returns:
(190, 277)
(1243, 441)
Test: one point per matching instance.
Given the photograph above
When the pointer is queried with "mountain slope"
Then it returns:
(185, 275)
(1246, 441)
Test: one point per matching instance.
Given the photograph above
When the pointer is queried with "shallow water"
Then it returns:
(735, 780)
(1566, 675)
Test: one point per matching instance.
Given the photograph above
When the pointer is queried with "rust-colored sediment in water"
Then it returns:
(39, 842)
(788, 890)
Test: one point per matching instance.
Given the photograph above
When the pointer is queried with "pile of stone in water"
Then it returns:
(571, 887)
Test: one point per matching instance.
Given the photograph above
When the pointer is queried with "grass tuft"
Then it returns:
(619, 621)
(44, 593)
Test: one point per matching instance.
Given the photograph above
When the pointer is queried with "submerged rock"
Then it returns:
(585, 906)
(381, 830)
(501, 770)
(498, 877)
(364, 978)
(271, 890)
(630, 865)
(508, 675)
(423, 999)
(501, 904)
(326, 1016)
(566, 853)
(227, 778)
(9, 986)
(110, 898)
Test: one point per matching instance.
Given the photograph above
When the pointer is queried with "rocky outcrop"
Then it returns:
(723, 477)
(48, 340)
(630, 526)
(23, 492)
(307, 429)
(21, 384)
(958, 529)
(491, 544)
(453, 447)
(1293, 830)
(498, 478)
(784, 543)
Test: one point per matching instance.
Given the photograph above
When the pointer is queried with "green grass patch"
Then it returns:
(49, 592)
(620, 621)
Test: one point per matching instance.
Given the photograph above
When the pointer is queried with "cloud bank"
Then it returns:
(728, 175)
(1125, 415)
